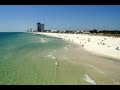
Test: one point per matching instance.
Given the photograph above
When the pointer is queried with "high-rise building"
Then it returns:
(39, 27)
(42, 27)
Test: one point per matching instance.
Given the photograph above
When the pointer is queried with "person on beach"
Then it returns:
(117, 48)
(88, 39)
(83, 45)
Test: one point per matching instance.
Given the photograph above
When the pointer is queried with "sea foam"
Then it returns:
(43, 40)
(88, 79)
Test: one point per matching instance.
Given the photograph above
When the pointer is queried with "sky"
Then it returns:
(20, 18)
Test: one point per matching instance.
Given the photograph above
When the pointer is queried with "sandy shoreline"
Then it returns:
(99, 45)
(97, 69)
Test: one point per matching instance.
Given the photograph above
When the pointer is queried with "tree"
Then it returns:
(95, 31)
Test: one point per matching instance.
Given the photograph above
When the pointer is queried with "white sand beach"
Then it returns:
(99, 45)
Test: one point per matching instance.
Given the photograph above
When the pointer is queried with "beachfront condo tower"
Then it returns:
(40, 27)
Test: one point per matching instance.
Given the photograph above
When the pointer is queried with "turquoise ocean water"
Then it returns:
(31, 59)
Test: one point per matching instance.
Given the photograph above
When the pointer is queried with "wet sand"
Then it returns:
(101, 69)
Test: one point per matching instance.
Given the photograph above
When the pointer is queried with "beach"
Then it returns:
(60, 45)
(27, 58)
(100, 62)
(99, 45)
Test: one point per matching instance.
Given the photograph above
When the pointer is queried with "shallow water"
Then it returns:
(31, 59)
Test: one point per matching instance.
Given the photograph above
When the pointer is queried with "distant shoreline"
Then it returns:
(100, 45)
